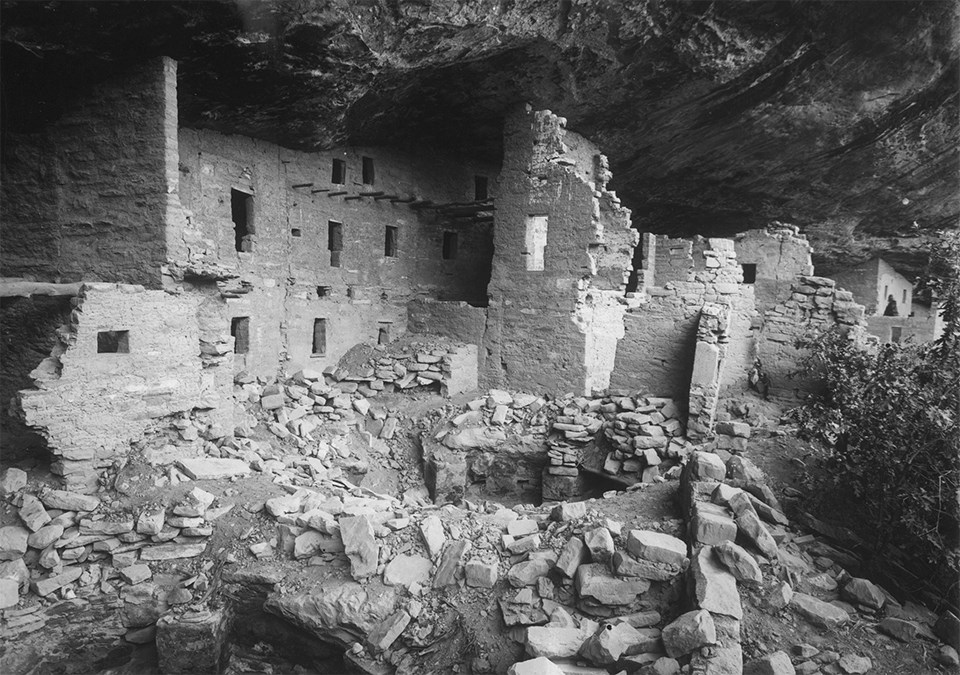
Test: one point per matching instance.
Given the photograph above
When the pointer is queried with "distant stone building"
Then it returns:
(877, 285)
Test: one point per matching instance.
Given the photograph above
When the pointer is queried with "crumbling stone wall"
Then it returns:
(656, 354)
(563, 248)
(90, 405)
(902, 328)
(780, 254)
(815, 305)
(86, 198)
(709, 360)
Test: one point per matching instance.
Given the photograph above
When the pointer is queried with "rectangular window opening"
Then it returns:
(450, 245)
(896, 333)
(390, 242)
(338, 172)
(367, 170)
(480, 192)
(749, 273)
(240, 330)
(113, 342)
(535, 242)
(383, 334)
(319, 337)
(295, 232)
(904, 296)
(241, 212)
(323, 291)
(334, 242)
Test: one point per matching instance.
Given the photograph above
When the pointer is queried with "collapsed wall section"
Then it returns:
(127, 357)
(563, 248)
(86, 198)
(656, 354)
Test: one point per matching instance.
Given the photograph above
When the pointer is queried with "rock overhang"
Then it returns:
(717, 118)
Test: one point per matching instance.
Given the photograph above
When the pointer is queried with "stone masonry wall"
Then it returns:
(563, 249)
(292, 277)
(780, 254)
(86, 199)
(656, 354)
(815, 305)
(90, 405)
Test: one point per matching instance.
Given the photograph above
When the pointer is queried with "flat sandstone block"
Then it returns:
(209, 468)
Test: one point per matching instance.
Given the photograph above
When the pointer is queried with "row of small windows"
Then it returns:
(240, 330)
(338, 171)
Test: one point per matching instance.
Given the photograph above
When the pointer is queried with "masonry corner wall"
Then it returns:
(86, 199)
(91, 405)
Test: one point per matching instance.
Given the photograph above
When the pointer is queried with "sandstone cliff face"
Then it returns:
(840, 117)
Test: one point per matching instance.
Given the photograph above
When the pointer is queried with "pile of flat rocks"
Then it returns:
(69, 545)
(643, 431)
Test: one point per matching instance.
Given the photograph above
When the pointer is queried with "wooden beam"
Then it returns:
(11, 288)
(302, 185)
(336, 194)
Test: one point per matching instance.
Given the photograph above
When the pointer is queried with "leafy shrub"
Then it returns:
(889, 418)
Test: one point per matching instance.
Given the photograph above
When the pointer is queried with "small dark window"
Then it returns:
(749, 273)
(295, 232)
(383, 334)
(450, 245)
(319, 337)
(390, 242)
(904, 296)
(241, 211)
(480, 193)
(240, 330)
(334, 242)
(896, 333)
(338, 174)
(113, 342)
(323, 291)
(367, 167)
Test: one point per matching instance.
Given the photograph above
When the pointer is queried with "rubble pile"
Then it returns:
(645, 432)
(70, 546)
(570, 584)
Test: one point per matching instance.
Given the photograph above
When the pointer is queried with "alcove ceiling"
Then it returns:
(839, 117)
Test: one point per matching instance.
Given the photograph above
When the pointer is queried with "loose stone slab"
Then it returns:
(553, 642)
(47, 586)
(360, 546)
(625, 565)
(573, 554)
(715, 589)
(172, 551)
(68, 501)
(450, 561)
(738, 560)
(688, 632)
(480, 574)
(777, 663)
(407, 570)
(211, 468)
(32, 513)
(818, 612)
(433, 536)
(13, 541)
(594, 581)
(656, 547)
(389, 630)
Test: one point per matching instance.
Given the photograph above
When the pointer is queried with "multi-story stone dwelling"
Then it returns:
(154, 263)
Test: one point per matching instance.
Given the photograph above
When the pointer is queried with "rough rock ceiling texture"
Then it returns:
(840, 117)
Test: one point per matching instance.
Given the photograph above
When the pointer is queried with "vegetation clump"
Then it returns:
(888, 418)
